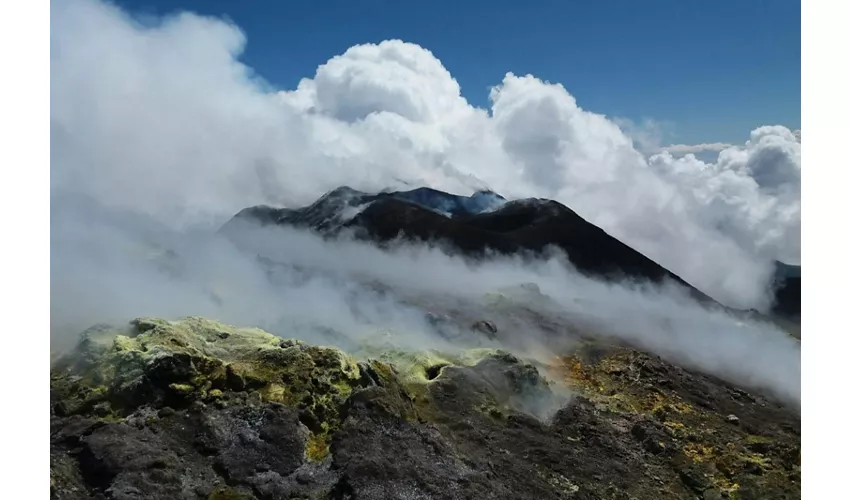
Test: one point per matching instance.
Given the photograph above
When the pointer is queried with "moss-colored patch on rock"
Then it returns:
(227, 493)
(318, 447)
(162, 363)
(714, 452)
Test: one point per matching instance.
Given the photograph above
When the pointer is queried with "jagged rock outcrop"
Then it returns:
(198, 409)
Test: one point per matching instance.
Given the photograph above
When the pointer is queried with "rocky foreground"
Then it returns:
(196, 409)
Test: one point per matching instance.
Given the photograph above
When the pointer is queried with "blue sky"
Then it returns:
(709, 71)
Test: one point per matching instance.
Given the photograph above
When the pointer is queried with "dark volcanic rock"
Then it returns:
(306, 422)
(472, 226)
(251, 439)
(787, 291)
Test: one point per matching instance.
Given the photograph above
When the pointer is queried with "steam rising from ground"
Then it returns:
(110, 269)
(159, 134)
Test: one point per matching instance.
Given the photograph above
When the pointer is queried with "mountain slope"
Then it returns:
(471, 226)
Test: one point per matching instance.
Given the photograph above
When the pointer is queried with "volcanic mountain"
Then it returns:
(194, 408)
(474, 226)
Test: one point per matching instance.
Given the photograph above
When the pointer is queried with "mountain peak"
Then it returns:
(473, 226)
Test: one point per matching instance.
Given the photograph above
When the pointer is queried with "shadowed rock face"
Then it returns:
(471, 226)
(787, 292)
(197, 409)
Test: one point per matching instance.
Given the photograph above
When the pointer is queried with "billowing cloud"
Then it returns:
(164, 120)
(386, 78)
(751, 194)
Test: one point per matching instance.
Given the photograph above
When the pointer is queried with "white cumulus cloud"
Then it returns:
(751, 194)
(164, 120)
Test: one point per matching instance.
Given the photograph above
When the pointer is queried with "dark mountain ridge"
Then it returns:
(472, 226)
(484, 223)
